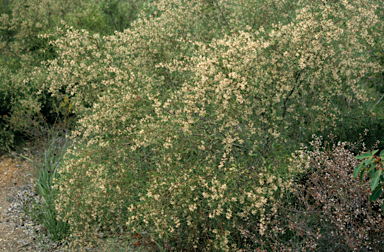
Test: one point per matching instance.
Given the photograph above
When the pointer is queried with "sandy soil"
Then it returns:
(15, 174)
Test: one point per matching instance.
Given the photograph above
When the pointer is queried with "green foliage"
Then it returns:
(372, 165)
(104, 17)
(44, 209)
(356, 119)
(26, 108)
(120, 14)
(18, 104)
(255, 14)
(186, 115)
(6, 137)
(22, 51)
(181, 117)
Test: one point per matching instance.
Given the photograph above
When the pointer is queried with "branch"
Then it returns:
(290, 93)
(222, 14)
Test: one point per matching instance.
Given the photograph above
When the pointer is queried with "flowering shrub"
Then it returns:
(23, 110)
(181, 118)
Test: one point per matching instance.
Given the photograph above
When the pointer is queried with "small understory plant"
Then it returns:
(373, 166)
(330, 210)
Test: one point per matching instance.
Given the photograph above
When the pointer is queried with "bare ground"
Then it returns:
(15, 175)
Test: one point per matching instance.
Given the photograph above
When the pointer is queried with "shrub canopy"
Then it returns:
(178, 112)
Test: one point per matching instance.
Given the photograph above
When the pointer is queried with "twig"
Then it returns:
(378, 101)
(222, 14)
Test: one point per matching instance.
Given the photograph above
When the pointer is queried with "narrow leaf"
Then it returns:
(376, 194)
(364, 156)
(371, 172)
(362, 175)
(382, 155)
(369, 161)
(357, 170)
(375, 180)
(382, 207)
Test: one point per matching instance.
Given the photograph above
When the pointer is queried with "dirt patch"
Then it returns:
(15, 174)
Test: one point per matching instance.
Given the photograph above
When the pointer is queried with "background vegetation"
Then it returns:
(190, 124)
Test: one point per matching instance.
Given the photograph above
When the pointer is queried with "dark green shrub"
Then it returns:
(27, 109)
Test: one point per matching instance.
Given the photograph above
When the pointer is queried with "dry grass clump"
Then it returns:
(178, 132)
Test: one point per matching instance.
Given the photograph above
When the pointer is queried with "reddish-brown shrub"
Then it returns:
(327, 210)
(331, 210)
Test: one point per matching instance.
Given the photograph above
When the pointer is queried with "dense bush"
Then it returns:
(182, 121)
(186, 117)
(370, 117)
(25, 111)
(104, 17)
